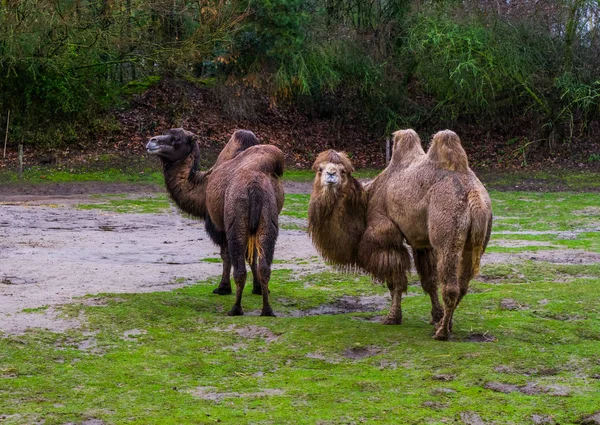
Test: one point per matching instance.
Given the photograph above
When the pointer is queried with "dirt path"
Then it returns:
(51, 252)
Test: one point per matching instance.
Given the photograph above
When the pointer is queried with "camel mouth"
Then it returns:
(331, 180)
(152, 147)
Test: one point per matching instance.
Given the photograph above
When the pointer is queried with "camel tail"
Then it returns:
(255, 201)
(481, 228)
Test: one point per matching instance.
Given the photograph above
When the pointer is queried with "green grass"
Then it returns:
(39, 174)
(300, 370)
(296, 206)
(154, 204)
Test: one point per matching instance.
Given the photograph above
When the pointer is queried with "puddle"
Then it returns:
(349, 304)
(479, 337)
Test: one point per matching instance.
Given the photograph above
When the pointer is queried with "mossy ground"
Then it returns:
(177, 358)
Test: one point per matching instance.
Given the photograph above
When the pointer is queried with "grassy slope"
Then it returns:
(188, 363)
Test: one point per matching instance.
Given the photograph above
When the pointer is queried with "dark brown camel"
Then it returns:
(239, 198)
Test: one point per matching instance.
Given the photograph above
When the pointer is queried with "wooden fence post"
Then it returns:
(6, 135)
(388, 151)
(20, 160)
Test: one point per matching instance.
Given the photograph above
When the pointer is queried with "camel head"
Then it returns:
(333, 170)
(176, 145)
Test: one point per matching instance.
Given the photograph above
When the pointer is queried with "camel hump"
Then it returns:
(240, 141)
(268, 159)
(447, 152)
(407, 145)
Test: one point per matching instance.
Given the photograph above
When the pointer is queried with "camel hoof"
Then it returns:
(222, 291)
(392, 321)
(235, 312)
(268, 313)
(441, 336)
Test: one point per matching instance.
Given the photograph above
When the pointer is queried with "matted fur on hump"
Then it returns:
(447, 152)
(407, 144)
(334, 157)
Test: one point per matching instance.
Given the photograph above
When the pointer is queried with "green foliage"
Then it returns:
(388, 63)
(141, 85)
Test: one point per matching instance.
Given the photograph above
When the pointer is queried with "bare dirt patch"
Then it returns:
(541, 419)
(211, 393)
(593, 419)
(563, 256)
(511, 304)
(471, 418)
(250, 331)
(531, 388)
(357, 353)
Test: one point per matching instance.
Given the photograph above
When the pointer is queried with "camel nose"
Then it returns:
(331, 177)
(152, 145)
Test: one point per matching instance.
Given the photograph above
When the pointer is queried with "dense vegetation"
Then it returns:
(524, 68)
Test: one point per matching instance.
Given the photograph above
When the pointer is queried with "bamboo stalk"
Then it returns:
(6, 135)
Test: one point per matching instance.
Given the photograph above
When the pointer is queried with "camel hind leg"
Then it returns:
(449, 242)
(267, 238)
(426, 268)
(237, 253)
(447, 269)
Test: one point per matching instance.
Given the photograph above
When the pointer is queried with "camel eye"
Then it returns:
(320, 169)
(343, 172)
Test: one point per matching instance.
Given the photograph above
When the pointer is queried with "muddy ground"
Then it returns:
(52, 252)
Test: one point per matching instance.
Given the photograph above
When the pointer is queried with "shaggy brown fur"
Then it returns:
(338, 226)
(447, 152)
(440, 208)
(239, 198)
(337, 212)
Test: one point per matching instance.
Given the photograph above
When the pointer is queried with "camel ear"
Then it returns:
(195, 155)
(343, 158)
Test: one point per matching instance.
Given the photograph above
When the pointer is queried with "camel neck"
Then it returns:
(337, 223)
(188, 192)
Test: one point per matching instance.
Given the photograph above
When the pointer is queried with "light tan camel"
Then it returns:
(432, 201)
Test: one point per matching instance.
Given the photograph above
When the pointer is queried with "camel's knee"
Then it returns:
(264, 272)
(239, 274)
(451, 294)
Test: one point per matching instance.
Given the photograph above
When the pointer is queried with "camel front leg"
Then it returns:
(396, 286)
